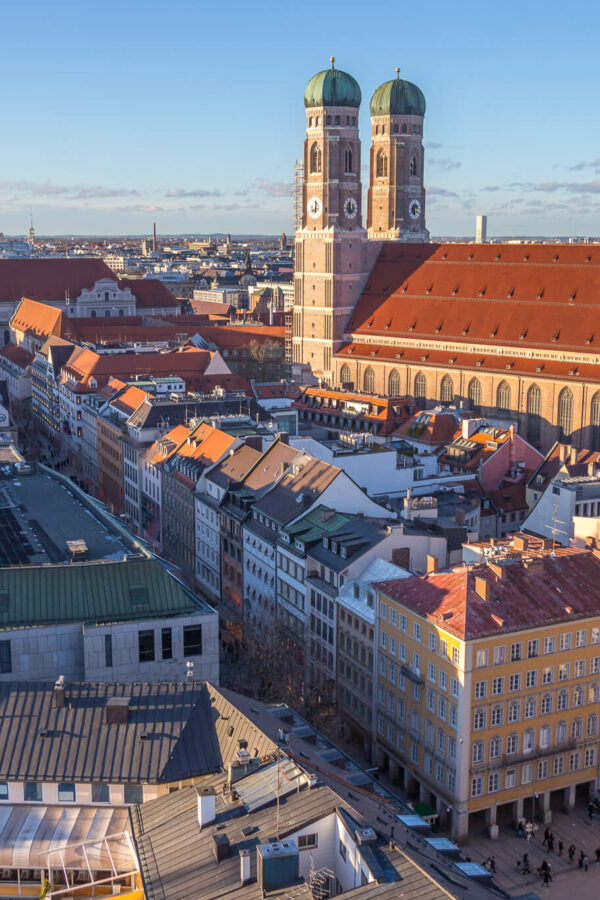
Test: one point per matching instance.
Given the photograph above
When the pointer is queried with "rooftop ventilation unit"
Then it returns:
(278, 865)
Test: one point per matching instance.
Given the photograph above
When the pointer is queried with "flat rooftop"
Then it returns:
(39, 513)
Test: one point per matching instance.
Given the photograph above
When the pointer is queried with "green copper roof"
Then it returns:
(398, 98)
(332, 87)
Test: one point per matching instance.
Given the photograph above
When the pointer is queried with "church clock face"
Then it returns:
(315, 208)
(350, 208)
(414, 209)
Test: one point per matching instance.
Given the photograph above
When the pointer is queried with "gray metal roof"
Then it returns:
(40, 742)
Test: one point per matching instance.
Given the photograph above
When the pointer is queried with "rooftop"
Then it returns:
(514, 594)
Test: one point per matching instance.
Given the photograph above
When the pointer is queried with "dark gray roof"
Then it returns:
(152, 413)
(358, 536)
(40, 742)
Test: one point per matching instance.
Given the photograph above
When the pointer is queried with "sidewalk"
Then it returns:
(568, 880)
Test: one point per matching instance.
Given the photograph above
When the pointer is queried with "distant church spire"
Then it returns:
(31, 228)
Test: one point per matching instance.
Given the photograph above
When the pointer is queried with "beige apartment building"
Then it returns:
(488, 685)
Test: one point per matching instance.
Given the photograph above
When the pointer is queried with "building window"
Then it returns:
(495, 748)
(369, 380)
(477, 786)
(382, 164)
(66, 793)
(481, 658)
(545, 733)
(503, 397)
(100, 793)
(510, 779)
(534, 419)
(478, 719)
(394, 383)
(166, 643)
(315, 159)
(5, 657)
(499, 655)
(345, 374)
(307, 841)
(133, 793)
(478, 751)
(475, 395)
(516, 651)
(3, 790)
(512, 743)
(146, 646)
(497, 686)
(192, 640)
(420, 390)
(480, 689)
(108, 654)
(348, 161)
(342, 850)
(493, 782)
(558, 766)
(446, 391)
(514, 682)
(32, 792)
(542, 770)
(546, 704)
(565, 416)
(497, 715)
(413, 165)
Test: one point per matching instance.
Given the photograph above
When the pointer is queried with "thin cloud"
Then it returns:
(73, 192)
(445, 165)
(440, 192)
(180, 193)
(276, 188)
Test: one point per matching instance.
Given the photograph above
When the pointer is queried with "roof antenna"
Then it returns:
(398, 72)
(332, 61)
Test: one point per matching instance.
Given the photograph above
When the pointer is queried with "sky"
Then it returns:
(190, 113)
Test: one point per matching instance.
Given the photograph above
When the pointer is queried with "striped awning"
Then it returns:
(28, 832)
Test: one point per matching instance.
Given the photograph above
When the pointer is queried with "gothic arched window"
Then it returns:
(534, 419)
(345, 374)
(447, 390)
(394, 383)
(369, 380)
(348, 161)
(420, 389)
(413, 165)
(503, 397)
(315, 159)
(595, 422)
(475, 394)
(565, 416)
(382, 164)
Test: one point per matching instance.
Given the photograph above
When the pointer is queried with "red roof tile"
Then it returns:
(548, 589)
(525, 295)
(49, 279)
(17, 355)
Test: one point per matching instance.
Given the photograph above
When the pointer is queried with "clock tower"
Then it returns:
(332, 253)
(396, 196)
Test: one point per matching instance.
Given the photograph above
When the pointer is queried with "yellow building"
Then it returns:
(488, 685)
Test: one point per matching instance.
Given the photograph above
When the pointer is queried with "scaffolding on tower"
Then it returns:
(298, 182)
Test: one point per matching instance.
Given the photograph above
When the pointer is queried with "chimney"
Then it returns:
(573, 456)
(244, 867)
(562, 452)
(520, 542)
(206, 806)
(401, 557)
(116, 711)
(154, 237)
(482, 587)
(60, 694)
(284, 437)
(432, 564)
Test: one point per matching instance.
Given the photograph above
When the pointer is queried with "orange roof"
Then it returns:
(539, 296)
(166, 446)
(37, 319)
(50, 279)
(85, 364)
(206, 444)
(130, 399)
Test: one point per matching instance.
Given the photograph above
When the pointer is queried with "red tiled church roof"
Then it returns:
(539, 296)
(49, 279)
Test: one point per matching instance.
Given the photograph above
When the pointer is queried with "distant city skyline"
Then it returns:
(193, 118)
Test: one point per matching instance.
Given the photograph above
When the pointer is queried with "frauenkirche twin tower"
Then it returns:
(334, 252)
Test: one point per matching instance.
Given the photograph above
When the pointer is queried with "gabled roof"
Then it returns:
(165, 447)
(302, 486)
(17, 355)
(40, 742)
(539, 296)
(150, 293)
(37, 319)
(548, 588)
(49, 279)
(235, 467)
(566, 459)
(205, 444)
(131, 398)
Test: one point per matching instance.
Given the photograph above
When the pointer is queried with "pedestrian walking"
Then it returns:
(561, 847)
(586, 863)
(493, 865)
(520, 829)
(571, 852)
(581, 859)
(546, 878)
(526, 864)
(546, 836)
